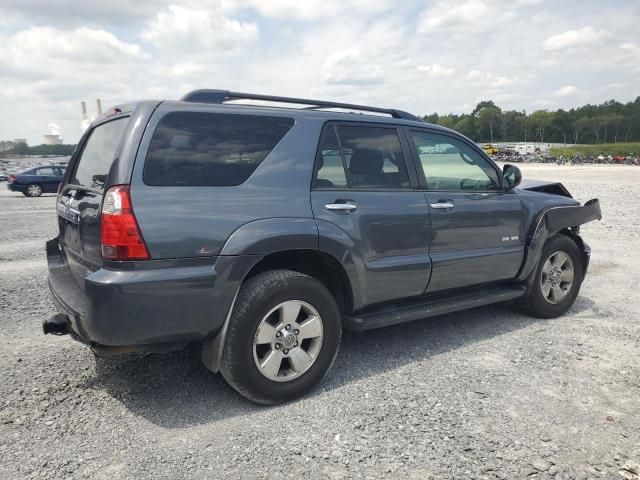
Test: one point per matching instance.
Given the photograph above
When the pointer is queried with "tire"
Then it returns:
(538, 302)
(261, 302)
(33, 190)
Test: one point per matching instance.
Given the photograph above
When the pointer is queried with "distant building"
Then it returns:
(52, 139)
(18, 141)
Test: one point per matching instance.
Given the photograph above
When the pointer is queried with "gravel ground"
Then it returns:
(488, 393)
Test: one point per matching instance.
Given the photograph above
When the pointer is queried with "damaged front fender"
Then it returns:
(553, 220)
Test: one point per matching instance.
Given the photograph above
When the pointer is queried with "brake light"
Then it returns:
(12, 178)
(120, 236)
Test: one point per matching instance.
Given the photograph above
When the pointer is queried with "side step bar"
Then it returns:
(391, 315)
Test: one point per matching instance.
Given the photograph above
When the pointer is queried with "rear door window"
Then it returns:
(46, 171)
(210, 149)
(370, 158)
(98, 154)
(329, 165)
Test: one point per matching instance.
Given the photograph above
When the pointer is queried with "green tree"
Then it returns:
(21, 149)
(580, 125)
(541, 120)
(584, 124)
(489, 116)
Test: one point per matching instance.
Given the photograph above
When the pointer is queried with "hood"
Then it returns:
(554, 188)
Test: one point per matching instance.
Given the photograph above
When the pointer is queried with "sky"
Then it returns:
(421, 56)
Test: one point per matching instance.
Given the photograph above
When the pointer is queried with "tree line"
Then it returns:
(20, 148)
(609, 122)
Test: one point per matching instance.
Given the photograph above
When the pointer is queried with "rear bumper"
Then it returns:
(15, 188)
(164, 303)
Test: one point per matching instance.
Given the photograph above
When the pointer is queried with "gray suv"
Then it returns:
(261, 232)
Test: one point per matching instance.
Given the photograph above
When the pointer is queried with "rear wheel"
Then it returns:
(33, 190)
(282, 338)
(557, 279)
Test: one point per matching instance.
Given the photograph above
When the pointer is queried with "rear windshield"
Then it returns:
(210, 149)
(98, 154)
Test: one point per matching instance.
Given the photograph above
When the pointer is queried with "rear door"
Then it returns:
(362, 186)
(80, 199)
(477, 231)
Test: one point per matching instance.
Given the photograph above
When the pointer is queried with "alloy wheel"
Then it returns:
(288, 340)
(557, 277)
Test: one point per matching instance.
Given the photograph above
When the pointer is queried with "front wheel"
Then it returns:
(282, 338)
(557, 279)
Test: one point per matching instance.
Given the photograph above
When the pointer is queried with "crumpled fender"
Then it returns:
(553, 220)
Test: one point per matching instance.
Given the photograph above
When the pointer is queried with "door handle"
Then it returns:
(341, 207)
(441, 205)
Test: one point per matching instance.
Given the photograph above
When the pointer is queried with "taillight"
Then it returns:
(120, 237)
(12, 178)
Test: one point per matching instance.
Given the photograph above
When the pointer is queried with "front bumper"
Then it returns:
(138, 306)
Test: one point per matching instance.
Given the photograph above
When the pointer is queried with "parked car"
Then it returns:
(263, 232)
(33, 182)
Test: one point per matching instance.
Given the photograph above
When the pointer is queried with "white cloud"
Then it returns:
(445, 15)
(49, 49)
(436, 70)
(350, 67)
(469, 16)
(191, 29)
(54, 128)
(567, 91)
(487, 79)
(314, 9)
(584, 37)
(55, 54)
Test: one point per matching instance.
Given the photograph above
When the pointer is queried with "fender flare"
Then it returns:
(255, 240)
(270, 235)
(551, 221)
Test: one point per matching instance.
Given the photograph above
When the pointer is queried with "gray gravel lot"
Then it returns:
(488, 393)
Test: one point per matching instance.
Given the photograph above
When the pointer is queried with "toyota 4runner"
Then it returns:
(261, 232)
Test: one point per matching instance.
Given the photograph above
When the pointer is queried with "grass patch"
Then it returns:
(613, 149)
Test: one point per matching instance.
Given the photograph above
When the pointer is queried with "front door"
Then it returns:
(477, 231)
(361, 186)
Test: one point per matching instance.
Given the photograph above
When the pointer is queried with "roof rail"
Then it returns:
(220, 96)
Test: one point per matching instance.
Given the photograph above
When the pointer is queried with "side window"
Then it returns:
(210, 149)
(373, 157)
(329, 166)
(45, 171)
(450, 164)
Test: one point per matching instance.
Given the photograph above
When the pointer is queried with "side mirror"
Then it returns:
(511, 176)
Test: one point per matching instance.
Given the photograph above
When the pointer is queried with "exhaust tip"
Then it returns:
(58, 324)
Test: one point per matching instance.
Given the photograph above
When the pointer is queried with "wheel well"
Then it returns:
(319, 265)
(573, 234)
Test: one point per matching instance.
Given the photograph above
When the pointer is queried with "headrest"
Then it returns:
(366, 162)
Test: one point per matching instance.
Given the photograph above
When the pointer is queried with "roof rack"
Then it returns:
(220, 96)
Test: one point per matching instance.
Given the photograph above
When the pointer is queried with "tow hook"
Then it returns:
(58, 324)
